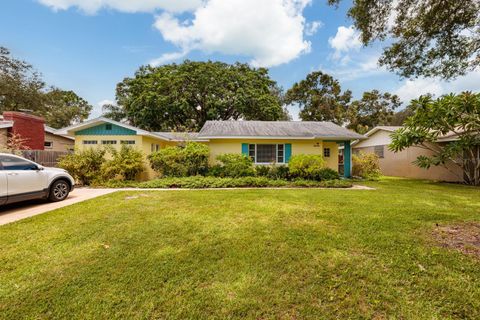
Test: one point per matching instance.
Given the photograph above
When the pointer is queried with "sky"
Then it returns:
(88, 46)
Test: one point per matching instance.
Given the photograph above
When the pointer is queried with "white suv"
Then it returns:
(22, 179)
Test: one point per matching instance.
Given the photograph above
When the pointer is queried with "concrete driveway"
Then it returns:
(22, 210)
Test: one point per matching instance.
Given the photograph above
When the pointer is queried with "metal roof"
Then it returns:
(179, 136)
(5, 124)
(276, 129)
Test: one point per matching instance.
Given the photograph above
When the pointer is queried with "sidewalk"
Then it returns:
(22, 210)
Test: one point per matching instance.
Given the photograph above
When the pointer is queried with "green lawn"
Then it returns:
(257, 254)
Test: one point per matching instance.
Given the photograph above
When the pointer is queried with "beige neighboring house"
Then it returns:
(400, 164)
(4, 125)
(56, 142)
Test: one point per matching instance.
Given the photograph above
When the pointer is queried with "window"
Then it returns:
(379, 151)
(267, 153)
(90, 141)
(48, 144)
(109, 141)
(14, 163)
(251, 151)
(108, 126)
(280, 153)
(127, 142)
(154, 147)
(326, 152)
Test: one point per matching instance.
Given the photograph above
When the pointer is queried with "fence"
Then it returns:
(46, 158)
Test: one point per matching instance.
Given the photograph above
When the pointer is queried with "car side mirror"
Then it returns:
(40, 168)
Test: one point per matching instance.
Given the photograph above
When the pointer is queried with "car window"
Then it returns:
(14, 163)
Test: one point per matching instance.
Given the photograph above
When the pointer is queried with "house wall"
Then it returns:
(379, 138)
(29, 127)
(79, 139)
(3, 137)
(59, 143)
(147, 142)
(400, 164)
(221, 146)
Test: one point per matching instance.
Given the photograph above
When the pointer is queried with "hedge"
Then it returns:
(200, 182)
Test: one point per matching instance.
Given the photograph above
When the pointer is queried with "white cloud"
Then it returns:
(345, 40)
(269, 31)
(92, 6)
(412, 89)
(362, 65)
(312, 27)
(104, 102)
(167, 57)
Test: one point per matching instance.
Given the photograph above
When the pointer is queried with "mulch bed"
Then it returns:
(463, 237)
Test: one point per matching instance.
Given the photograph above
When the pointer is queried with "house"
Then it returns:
(265, 141)
(400, 164)
(34, 132)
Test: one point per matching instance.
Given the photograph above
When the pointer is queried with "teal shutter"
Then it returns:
(245, 149)
(288, 152)
(347, 159)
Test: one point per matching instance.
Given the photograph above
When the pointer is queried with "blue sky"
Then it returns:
(90, 45)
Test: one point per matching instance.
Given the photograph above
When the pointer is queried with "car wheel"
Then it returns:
(59, 190)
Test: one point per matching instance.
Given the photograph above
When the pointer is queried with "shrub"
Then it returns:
(181, 161)
(199, 182)
(233, 165)
(306, 166)
(322, 184)
(85, 166)
(279, 172)
(262, 170)
(125, 164)
(327, 174)
(196, 158)
(366, 165)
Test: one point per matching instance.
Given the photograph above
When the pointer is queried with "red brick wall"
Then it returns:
(29, 127)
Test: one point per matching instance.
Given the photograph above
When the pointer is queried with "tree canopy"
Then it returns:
(22, 88)
(320, 98)
(427, 37)
(62, 108)
(184, 96)
(455, 115)
(373, 109)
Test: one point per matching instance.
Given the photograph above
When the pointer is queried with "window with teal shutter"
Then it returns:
(288, 152)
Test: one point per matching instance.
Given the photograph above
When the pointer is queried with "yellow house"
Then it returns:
(265, 142)
(276, 141)
(102, 132)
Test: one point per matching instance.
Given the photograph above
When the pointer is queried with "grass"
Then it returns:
(257, 254)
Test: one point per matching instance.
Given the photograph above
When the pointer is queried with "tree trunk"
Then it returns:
(471, 166)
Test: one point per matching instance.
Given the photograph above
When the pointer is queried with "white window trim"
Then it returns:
(276, 154)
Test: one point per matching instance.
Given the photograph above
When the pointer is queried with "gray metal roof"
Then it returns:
(182, 136)
(276, 129)
(5, 124)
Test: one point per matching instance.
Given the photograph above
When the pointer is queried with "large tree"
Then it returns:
(373, 109)
(320, 98)
(184, 96)
(62, 108)
(401, 116)
(22, 88)
(426, 37)
(454, 116)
